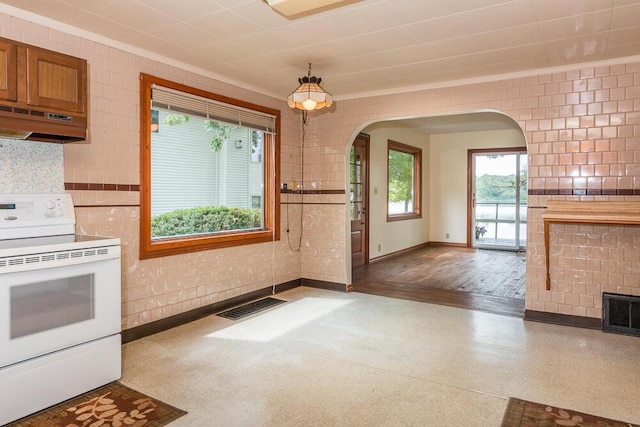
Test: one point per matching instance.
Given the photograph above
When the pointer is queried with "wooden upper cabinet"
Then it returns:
(8, 71)
(56, 80)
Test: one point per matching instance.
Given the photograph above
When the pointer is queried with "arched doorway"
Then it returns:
(444, 222)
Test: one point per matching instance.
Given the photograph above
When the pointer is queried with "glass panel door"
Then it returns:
(500, 200)
(358, 200)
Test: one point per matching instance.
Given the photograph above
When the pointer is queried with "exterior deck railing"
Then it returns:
(491, 215)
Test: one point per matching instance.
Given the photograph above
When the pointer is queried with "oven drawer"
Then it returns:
(36, 384)
(54, 308)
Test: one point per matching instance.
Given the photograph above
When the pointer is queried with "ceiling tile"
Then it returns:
(184, 35)
(402, 12)
(618, 3)
(463, 24)
(264, 44)
(307, 32)
(576, 49)
(154, 44)
(183, 10)
(229, 4)
(225, 24)
(507, 37)
(55, 10)
(625, 16)
(576, 25)
(224, 51)
(619, 51)
(88, 5)
(192, 57)
(552, 9)
(513, 54)
(349, 48)
(98, 25)
(137, 16)
(502, 68)
(628, 36)
(356, 21)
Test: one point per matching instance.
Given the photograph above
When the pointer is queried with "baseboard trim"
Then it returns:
(563, 319)
(321, 284)
(161, 325)
(397, 253)
(449, 244)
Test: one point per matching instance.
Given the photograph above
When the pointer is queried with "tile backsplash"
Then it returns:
(30, 167)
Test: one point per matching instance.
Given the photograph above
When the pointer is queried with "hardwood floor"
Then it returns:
(479, 279)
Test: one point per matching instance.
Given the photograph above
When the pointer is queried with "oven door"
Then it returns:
(54, 308)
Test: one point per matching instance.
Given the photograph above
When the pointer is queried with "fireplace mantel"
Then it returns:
(586, 213)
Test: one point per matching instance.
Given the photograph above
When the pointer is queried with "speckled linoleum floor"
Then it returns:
(336, 359)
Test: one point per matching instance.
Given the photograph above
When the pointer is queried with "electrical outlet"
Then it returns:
(379, 247)
(447, 235)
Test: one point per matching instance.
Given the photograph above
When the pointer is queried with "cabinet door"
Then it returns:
(56, 81)
(8, 71)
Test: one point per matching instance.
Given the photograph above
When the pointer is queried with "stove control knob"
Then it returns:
(50, 204)
(59, 212)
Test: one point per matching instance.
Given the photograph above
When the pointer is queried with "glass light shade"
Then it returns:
(308, 93)
(309, 104)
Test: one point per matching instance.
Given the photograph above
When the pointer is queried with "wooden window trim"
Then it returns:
(417, 181)
(185, 244)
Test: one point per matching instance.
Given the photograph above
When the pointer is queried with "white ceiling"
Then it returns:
(365, 47)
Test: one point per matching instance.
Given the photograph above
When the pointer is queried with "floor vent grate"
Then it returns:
(621, 313)
(250, 308)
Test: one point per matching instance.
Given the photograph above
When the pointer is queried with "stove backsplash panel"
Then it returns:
(31, 167)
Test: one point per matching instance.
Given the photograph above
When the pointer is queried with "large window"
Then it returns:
(209, 170)
(404, 182)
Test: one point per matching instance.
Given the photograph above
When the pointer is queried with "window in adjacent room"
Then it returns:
(209, 170)
(404, 181)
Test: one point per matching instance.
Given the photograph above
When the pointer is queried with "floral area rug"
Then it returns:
(521, 413)
(113, 405)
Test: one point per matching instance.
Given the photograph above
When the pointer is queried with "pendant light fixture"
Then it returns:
(309, 95)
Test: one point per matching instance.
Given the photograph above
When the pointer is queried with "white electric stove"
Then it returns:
(60, 298)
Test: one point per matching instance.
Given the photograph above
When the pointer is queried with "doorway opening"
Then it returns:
(435, 256)
(498, 198)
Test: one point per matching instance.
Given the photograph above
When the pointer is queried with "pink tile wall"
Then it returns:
(582, 129)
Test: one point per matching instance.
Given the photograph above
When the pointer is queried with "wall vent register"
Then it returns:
(621, 313)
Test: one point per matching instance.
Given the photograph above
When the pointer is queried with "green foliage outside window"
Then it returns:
(500, 188)
(200, 220)
(400, 178)
(221, 132)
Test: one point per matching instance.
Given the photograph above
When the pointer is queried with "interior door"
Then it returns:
(499, 199)
(358, 200)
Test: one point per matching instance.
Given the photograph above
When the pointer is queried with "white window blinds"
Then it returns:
(185, 103)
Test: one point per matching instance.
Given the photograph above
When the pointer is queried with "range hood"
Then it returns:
(41, 125)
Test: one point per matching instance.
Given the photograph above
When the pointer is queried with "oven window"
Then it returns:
(49, 304)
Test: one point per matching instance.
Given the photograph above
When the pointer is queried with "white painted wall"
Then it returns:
(448, 178)
(398, 235)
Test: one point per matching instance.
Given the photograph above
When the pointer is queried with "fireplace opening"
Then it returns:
(621, 313)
